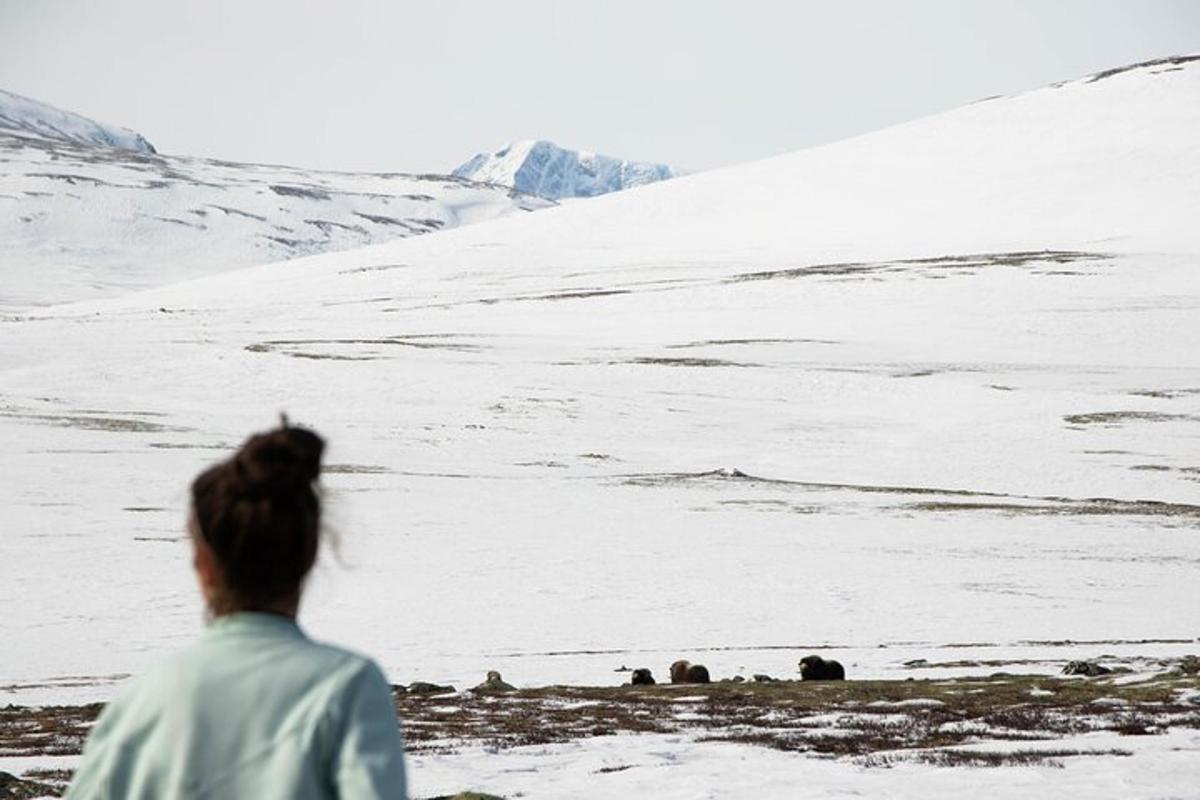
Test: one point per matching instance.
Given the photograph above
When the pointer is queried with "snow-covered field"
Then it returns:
(678, 768)
(81, 221)
(932, 387)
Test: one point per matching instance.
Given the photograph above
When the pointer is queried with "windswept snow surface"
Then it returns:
(676, 768)
(23, 115)
(544, 169)
(79, 221)
(931, 393)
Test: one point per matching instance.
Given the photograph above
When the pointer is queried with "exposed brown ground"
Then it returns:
(877, 723)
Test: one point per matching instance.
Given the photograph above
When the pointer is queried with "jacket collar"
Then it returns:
(254, 622)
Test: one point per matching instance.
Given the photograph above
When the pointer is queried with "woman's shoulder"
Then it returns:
(352, 671)
(241, 666)
(200, 681)
(348, 666)
(344, 672)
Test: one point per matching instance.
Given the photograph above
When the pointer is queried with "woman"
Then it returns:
(254, 709)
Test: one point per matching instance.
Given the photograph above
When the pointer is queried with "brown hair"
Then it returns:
(260, 515)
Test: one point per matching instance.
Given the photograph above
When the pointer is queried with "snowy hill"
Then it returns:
(23, 115)
(932, 388)
(544, 169)
(79, 220)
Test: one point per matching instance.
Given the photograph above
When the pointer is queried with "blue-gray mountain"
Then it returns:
(544, 169)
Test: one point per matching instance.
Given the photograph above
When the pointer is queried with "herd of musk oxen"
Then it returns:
(812, 668)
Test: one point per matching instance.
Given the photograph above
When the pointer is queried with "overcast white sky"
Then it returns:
(421, 86)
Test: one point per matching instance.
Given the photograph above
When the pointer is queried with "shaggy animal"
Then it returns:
(1088, 668)
(641, 677)
(494, 683)
(815, 668)
(423, 687)
(687, 672)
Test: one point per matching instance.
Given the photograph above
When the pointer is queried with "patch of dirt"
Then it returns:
(1165, 394)
(737, 342)
(352, 349)
(327, 227)
(686, 362)
(926, 267)
(45, 730)
(947, 500)
(921, 663)
(951, 757)
(189, 446)
(305, 192)
(1173, 61)
(29, 787)
(1096, 507)
(736, 476)
(94, 422)
(1119, 417)
(237, 212)
(373, 268)
(566, 294)
(354, 469)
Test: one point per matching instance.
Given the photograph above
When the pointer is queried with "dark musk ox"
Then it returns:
(641, 677)
(494, 683)
(1089, 668)
(815, 668)
(687, 672)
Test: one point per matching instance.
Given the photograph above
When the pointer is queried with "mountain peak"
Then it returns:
(32, 117)
(541, 167)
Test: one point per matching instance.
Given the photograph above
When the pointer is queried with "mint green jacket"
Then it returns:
(254, 709)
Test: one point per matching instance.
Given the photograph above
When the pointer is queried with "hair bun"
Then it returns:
(283, 460)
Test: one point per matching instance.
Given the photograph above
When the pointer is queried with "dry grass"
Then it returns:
(45, 730)
(14, 788)
(853, 718)
(986, 758)
(879, 723)
(1118, 417)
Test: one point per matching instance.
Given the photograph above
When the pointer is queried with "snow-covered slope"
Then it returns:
(861, 398)
(543, 168)
(23, 115)
(78, 220)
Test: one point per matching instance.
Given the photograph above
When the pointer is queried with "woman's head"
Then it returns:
(256, 522)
